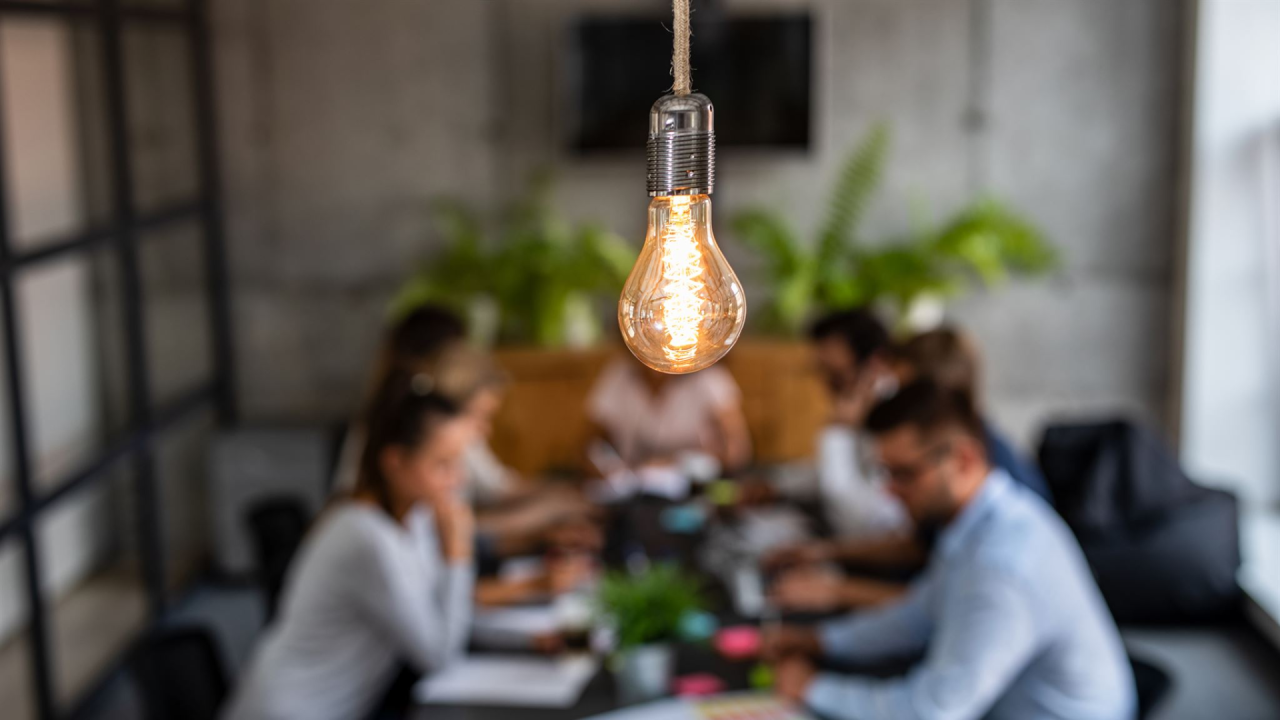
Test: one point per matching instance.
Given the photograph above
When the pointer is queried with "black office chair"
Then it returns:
(277, 525)
(179, 674)
(398, 696)
(1153, 684)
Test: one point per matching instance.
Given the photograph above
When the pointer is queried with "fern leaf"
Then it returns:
(858, 181)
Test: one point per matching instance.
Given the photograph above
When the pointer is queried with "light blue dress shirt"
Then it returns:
(1010, 620)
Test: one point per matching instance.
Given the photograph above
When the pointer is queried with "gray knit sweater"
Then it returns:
(364, 593)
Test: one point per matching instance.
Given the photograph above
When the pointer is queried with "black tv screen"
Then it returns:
(756, 70)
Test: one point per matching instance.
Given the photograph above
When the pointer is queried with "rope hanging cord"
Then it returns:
(680, 57)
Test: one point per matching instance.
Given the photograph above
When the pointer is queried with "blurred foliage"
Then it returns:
(540, 271)
(649, 607)
(983, 243)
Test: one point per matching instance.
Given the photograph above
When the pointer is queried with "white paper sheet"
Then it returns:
(525, 567)
(509, 681)
(513, 628)
(664, 481)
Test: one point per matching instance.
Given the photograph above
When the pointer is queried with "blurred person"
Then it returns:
(516, 514)
(513, 517)
(948, 357)
(652, 418)
(1007, 615)
(850, 349)
(413, 340)
(516, 517)
(385, 577)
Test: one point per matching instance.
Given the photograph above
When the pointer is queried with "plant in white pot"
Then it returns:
(529, 276)
(646, 611)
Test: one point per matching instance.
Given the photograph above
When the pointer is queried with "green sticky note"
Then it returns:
(723, 492)
(761, 677)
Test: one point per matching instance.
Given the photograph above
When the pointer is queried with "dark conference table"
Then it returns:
(598, 697)
(635, 522)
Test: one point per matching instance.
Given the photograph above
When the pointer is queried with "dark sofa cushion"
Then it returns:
(1163, 549)
(1175, 569)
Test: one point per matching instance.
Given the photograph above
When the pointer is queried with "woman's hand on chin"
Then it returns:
(456, 524)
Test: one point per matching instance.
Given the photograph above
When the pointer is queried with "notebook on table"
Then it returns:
(509, 681)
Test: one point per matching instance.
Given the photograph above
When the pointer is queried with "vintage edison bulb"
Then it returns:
(682, 308)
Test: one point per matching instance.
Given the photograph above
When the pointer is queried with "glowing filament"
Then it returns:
(681, 270)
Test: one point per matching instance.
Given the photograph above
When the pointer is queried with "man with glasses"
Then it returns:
(1006, 615)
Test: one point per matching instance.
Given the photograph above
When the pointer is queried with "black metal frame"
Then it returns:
(121, 235)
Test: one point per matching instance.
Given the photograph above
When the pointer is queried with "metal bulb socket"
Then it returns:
(682, 146)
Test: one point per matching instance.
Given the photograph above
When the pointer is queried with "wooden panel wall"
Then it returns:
(543, 424)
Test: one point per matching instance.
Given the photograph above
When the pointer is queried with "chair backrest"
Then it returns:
(1152, 682)
(277, 526)
(397, 699)
(1107, 477)
(249, 464)
(179, 674)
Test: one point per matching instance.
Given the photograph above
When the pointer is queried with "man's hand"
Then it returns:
(789, 640)
(579, 536)
(809, 590)
(555, 504)
(756, 492)
(568, 573)
(792, 676)
(804, 554)
(549, 644)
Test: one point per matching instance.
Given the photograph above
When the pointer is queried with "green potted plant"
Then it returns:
(537, 282)
(983, 243)
(646, 611)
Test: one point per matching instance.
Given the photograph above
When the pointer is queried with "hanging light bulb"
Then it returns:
(682, 307)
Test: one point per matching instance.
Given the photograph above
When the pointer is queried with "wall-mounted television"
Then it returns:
(756, 69)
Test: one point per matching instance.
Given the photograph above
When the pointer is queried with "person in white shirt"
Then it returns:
(869, 525)
(651, 418)
(517, 516)
(849, 349)
(521, 513)
(385, 577)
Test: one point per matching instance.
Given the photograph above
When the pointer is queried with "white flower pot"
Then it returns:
(644, 673)
(926, 312)
(483, 318)
(581, 325)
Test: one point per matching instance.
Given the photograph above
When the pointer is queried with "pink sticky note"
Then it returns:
(739, 642)
(697, 684)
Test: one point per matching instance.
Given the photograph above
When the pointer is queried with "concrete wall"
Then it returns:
(341, 121)
(1083, 106)
(1067, 109)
